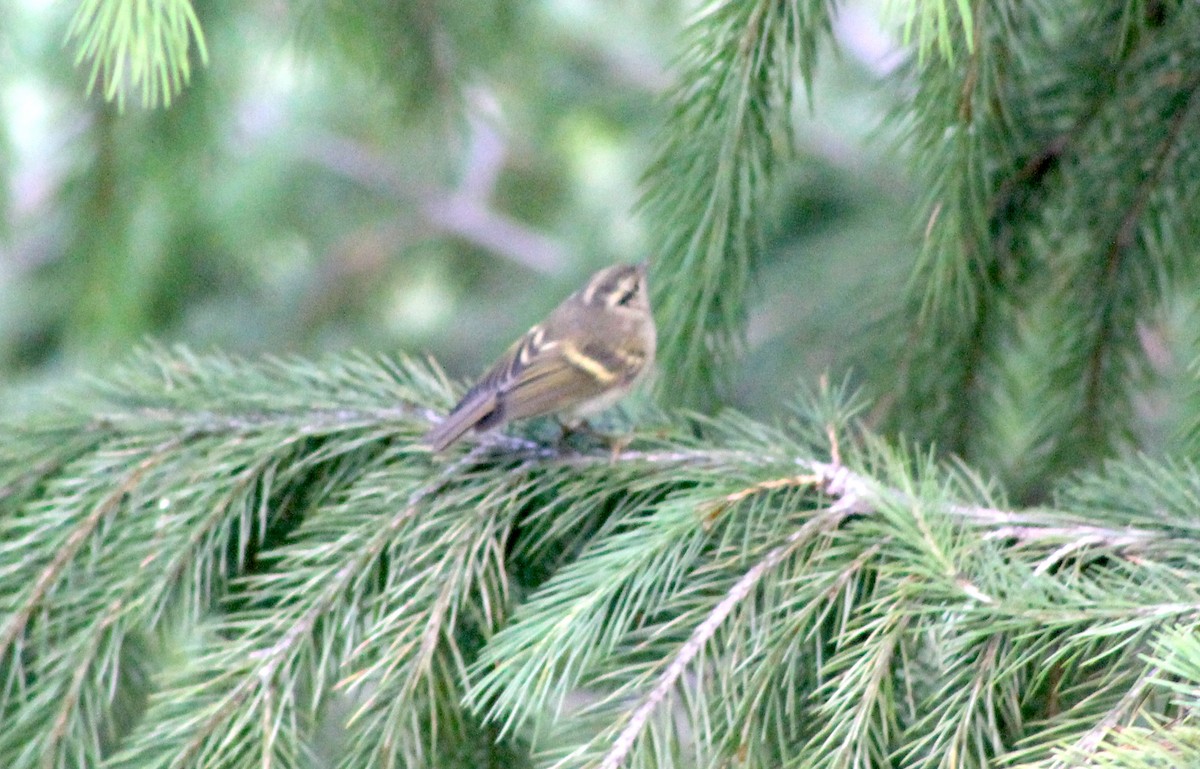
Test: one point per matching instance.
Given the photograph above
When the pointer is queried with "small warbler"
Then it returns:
(588, 353)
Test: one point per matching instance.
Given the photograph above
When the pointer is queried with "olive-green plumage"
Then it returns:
(588, 353)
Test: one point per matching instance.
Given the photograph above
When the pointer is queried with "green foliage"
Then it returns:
(134, 46)
(987, 560)
(328, 185)
(936, 24)
(211, 563)
(1056, 146)
(740, 73)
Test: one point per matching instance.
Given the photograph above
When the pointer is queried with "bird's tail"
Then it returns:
(465, 415)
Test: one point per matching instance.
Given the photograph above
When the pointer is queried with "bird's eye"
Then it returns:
(626, 296)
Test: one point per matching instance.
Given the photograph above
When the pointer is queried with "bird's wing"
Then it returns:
(536, 376)
(551, 383)
(483, 405)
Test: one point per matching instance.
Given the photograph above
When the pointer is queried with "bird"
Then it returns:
(587, 354)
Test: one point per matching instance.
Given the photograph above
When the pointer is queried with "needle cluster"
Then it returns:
(210, 562)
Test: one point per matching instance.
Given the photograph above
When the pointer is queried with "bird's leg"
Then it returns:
(617, 444)
(573, 427)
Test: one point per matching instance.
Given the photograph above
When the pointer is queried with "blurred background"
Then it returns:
(415, 178)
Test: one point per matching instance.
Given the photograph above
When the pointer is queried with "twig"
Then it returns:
(436, 625)
(857, 492)
(71, 700)
(1083, 748)
(201, 422)
(705, 631)
(457, 213)
(716, 507)
(75, 541)
(852, 491)
(1122, 240)
(865, 494)
(268, 661)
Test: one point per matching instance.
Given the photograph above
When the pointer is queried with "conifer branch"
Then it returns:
(858, 721)
(132, 46)
(854, 491)
(267, 662)
(206, 562)
(1124, 238)
(1009, 194)
(703, 633)
(707, 561)
(76, 690)
(1124, 709)
(74, 542)
(959, 115)
(730, 127)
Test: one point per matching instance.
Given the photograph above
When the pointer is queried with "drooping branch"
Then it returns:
(1122, 240)
(704, 632)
